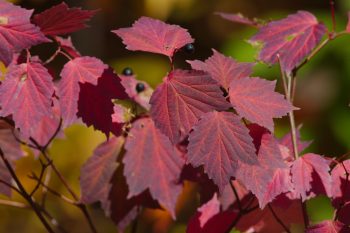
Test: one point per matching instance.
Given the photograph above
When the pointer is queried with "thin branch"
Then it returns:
(239, 204)
(46, 183)
(10, 186)
(25, 194)
(278, 219)
(14, 204)
(42, 172)
(53, 56)
(291, 115)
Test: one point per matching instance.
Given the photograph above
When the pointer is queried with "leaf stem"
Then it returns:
(332, 3)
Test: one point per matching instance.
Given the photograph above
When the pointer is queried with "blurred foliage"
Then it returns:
(322, 94)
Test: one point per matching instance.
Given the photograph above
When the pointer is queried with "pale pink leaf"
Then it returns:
(78, 70)
(150, 155)
(238, 18)
(304, 171)
(182, 98)
(208, 210)
(292, 39)
(26, 94)
(16, 31)
(96, 173)
(219, 141)
(223, 69)
(256, 100)
(152, 35)
(328, 226)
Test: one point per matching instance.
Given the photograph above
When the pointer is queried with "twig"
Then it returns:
(53, 56)
(14, 204)
(25, 194)
(278, 219)
(46, 183)
(239, 204)
(42, 172)
(332, 3)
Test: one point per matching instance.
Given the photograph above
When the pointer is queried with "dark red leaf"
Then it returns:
(95, 105)
(80, 70)
(61, 20)
(16, 31)
(292, 38)
(344, 214)
(150, 155)
(218, 142)
(208, 210)
(328, 226)
(152, 35)
(142, 98)
(26, 94)
(341, 183)
(305, 170)
(182, 98)
(223, 69)
(256, 100)
(96, 173)
(270, 177)
(238, 18)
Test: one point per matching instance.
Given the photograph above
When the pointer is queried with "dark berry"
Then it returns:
(140, 87)
(189, 48)
(128, 71)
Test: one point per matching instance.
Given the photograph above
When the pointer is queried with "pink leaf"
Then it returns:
(182, 98)
(67, 46)
(223, 69)
(142, 98)
(238, 18)
(26, 94)
(16, 31)
(208, 210)
(305, 170)
(218, 142)
(341, 183)
(61, 20)
(292, 38)
(79, 70)
(95, 105)
(150, 154)
(97, 171)
(256, 100)
(270, 177)
(152, 35)
(328, 226)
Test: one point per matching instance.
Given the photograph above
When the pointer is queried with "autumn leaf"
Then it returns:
(238, 18)
(328, 226)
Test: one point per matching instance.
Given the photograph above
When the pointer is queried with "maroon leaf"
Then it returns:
(256, 100)
(238, 18)
(142, 98)
(150, 154)
(223, 69)
(152, 35)
(79, 70)
(292, 38)
(95, 105)
(270, 177)
(341, 183)
(26, 94)
(305, 170)
(343, 214)
(61, 20)
(16, 31)
(96, 173)
(328, 226)
(182, 98)
(218, 142)
(208, 210)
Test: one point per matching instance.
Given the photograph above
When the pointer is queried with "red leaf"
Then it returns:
(305, 170)
(270, 177)
(150, 154)
(223, 69)
(348, 25)
(95, 105)
(26, 94)
(343, 214)
(238, 18)
(61, 20)
(152, 35)
(341, 183)
(79, 70)
(96, 173)
(182, 98)
(67, 46)
(292, 38)
(256, 100)
(16, 31)
(328, 226)
(142, 98)
(208, 210)
(218, 142)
